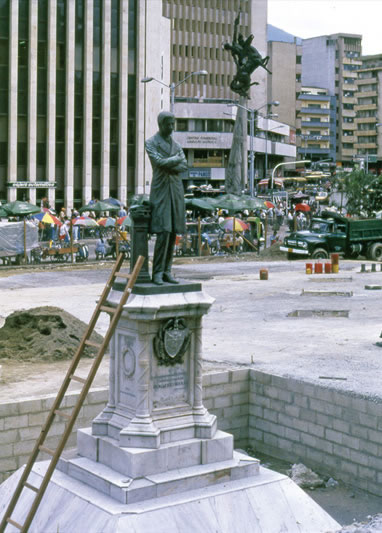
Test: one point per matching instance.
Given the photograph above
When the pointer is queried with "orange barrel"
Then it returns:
(328, 268)
(318, 268)
(263, 273)
(308, 268)
(335, 259)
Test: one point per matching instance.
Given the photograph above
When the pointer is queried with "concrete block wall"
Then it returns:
(226, 395)
(21, 423)
(333, 431)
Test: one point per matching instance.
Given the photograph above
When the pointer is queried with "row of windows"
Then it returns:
(199, 52)
(197, 26)
(200, 125)
(213, 79)
(368, 139)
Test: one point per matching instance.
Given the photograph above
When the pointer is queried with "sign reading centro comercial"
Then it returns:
(31, 184)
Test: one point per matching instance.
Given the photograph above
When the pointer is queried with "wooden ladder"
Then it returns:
(70, 419)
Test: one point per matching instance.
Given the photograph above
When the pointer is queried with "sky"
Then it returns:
(310, 18)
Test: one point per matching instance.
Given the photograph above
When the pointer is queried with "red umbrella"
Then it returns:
(269, 204)
(302, 207)
(240, 225)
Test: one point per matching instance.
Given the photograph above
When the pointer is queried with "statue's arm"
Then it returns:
(162, 162)
(182, 165)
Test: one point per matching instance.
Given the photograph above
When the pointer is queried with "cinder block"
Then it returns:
(272, 440)
(48, 402)
(223, 401)
(255, 434)
(98, 395)
(36, 419)
(309, 440)
(316, 430)
(257, 388)
(271, 392)
(91, 411)
(241, 374)
(375, 436)
(369, 421)
(208, 403)
(374, 408)
(70, 399)
(341, 398)
(240, 399)
(6, 450)
(350, 415)
(292, 410)
(7, 437)
(359, 404)
(244, 409)
(29, 433)
(256, 410)
(15, 422)
(24, 447)
(343, 453)
(359, 458)
(370, 448)
(285, 396)
(322, 393)
(7, 464)
(340, 425)
(206, 380)
(301, 401)
(351, 442)
(240, 386)
(334, 436)
(270, 414)
(9, 409)
(238, 422)
(285, 444)
(277, 405)
(260, 377)
(315, 455)
(30, 406)
(261, 401)
(350, 468)
(292, 434)
(219, 378)
(323, 420)
(231, 412)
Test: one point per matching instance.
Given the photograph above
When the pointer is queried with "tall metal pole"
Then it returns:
(266, 149)
(172, 98)
(251, 151)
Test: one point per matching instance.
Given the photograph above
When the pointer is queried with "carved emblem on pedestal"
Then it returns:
(171, 342)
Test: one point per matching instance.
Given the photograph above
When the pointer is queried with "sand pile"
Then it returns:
(273, 252)
(43, 334)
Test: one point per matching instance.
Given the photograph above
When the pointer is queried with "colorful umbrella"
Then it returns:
(20, 208)
(269, 204)
(125, 222)
(106, 222)
(302, 207)
(240, 225)
(85, 221)
(48, 218)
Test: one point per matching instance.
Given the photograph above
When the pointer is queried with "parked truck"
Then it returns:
(333, 233)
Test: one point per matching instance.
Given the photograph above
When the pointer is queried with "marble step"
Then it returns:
(139, 462)
(127, 490)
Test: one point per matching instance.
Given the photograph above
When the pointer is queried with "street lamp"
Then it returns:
(173, 85)
(286, 163)
(268, 116)
(252, 117)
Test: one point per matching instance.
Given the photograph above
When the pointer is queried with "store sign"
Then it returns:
(201, 139)
(32, 184)
(199, 173)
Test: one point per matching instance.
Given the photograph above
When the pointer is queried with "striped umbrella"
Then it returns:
(48, 218)
(85, 221)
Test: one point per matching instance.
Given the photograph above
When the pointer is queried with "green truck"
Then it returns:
(333, 233)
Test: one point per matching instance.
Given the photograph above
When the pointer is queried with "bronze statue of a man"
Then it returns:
(167, 196)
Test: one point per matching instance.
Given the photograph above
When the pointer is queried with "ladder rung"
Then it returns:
(16, 524)
(77, 378)
(108, 309)
(122, 275)
(61, 413)
(46, 450)
(31, 487)
(93, 344)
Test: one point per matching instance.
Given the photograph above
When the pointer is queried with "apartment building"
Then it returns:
(73, 115)
(369, 112)
(332, 62)
(318, 124)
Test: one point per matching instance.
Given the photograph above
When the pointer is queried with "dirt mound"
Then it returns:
(43, 334)
(273, 252)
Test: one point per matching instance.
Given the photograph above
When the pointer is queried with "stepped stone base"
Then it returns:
(265, 503)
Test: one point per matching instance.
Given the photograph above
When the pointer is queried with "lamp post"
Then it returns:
(268, 116)
(287, 163)
(252, 118)
(173, 85)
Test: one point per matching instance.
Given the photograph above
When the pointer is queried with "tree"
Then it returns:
(363, 192)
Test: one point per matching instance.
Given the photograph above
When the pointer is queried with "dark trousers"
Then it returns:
(163, 252)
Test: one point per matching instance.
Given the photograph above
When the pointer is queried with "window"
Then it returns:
(181, 124)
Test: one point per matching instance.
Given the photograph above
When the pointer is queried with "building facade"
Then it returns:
(73, 114)
(369, 112)
(318, 124)
(332, 62)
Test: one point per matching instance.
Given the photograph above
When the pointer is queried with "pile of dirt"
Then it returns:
(273, 252)
(43, 334)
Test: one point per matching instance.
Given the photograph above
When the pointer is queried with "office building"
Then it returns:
(73, 114)
(369, 112)
(318, 124)
(332, 62)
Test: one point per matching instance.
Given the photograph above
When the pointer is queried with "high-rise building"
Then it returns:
(369, 111)
(318, 124)
(73, 115)
(331, 62)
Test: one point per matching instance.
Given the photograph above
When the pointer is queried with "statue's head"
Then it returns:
(166, 123)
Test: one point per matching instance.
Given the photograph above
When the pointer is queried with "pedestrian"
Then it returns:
(64, 231)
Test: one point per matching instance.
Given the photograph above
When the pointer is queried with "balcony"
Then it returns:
(310, 151)
(366, 94)
(348, 139)
(366, 81)
(314, 111)
(349, 126)
(365, 146)
(349, 100)
(366, 120)
(365, 107)
(308, 124)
